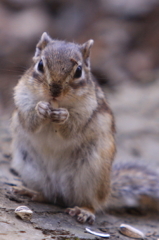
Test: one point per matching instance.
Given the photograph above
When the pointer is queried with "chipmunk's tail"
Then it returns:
(134, 187)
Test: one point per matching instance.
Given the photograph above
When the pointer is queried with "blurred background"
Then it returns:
(125, 58)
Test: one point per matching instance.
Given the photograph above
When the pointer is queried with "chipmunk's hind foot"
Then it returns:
(82, 214)
(33, 195)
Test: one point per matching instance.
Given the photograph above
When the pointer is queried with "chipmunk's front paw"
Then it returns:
(43, 109)
(82, 214)
(59, 115)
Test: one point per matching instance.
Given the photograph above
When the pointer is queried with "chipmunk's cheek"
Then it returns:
(66, 91)
(78, 84)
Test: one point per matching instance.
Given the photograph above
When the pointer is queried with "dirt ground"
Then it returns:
(136, 109)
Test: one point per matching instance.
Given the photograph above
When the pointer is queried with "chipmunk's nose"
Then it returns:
(55, 89)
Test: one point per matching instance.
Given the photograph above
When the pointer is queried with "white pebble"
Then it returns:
(24, 212)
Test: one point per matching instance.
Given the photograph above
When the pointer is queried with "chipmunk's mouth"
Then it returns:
(57, 99)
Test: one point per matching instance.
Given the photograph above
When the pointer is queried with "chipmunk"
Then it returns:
(63, 132)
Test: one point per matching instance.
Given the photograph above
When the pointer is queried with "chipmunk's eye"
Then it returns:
(41, 66)
(78, 72)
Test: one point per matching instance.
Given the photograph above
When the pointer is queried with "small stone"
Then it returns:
(24, 213)
(131, 232)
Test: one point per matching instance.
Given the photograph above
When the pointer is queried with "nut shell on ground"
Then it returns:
(24, 213)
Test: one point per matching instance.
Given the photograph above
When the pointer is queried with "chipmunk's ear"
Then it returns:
(44, 40)
(86, 47)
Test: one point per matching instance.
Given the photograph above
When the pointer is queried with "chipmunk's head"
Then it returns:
(62, 67)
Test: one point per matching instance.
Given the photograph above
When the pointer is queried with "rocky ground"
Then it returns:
(136, 110)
